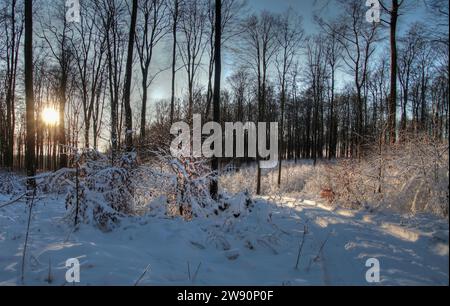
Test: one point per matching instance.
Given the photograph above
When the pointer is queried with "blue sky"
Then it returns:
(307, 9)
(416, 10)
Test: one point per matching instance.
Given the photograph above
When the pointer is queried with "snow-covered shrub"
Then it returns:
(58, 182)
(293, 179)
(411, 177)
(11, 184)
(175, 187)
(187, 191)
(103, 193)
(421, 176)
(236, 206)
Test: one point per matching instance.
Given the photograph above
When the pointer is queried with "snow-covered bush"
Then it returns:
(101, 193)
(179, 187)
(57, 182)
(11, 184)
(294, 178)
(421, 176)
(236, 206)
(187, 189)
(410, 177)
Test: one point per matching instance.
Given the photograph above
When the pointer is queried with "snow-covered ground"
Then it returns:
(258, 248)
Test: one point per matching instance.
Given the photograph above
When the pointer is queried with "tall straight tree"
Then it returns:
(357, 37)
(128, 76)
(29, 96)
(154, 28)
(111, 13)
(217, 76)
(230, 19)
(192, 46)
(393, 13)
(175, 16)
(333, 52)
(88, 49)
(290, 36)
(410, 45)
(259, 47)
(13, 33)
(56, 34)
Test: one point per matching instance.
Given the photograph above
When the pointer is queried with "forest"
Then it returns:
(90, 92)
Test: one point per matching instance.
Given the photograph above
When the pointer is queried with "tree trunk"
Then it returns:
(281, 133)
(174, 60)
(29, 96)
(11, 75)
(217, 75)
(393, 94)
(63, 160)
(144, 105)
(128, 76)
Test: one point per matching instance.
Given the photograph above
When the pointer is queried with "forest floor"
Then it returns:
(258, 248)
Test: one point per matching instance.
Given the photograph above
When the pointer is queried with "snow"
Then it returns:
(258, 248)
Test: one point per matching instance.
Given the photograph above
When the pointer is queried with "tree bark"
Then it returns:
(393, 92)
(128, 76)
(174, 61)
(217, 76)
(29, 96)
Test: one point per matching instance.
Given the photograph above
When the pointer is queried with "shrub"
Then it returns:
(104, 193)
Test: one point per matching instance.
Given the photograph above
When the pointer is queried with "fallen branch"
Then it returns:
(305, 232)
(27, 235)
(189, 271)
(322, 247)
(196, 272)
(142, 276)
(13, 201)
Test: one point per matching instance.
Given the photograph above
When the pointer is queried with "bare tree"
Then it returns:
(153, 26)
(379, 90)
(56, 33)
(410, 46)
(217, 77)
(357, 38)
(334, 56)
(260, 47)
(192, 46)
(316, 74)
(111, 15)
(175, 12)
(99, 106)
(239, 82)
(13, 30)
(439, 10)
(229, 27)
(29, 96)
(89, 49)
(394, 13)
(289, 38)
(128, 77)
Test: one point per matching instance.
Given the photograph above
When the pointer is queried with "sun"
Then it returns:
(50, 116)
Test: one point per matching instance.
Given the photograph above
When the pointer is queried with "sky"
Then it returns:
(307, 8)
(160, 89)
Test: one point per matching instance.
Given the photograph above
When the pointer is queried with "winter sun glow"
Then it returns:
(50, 116)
